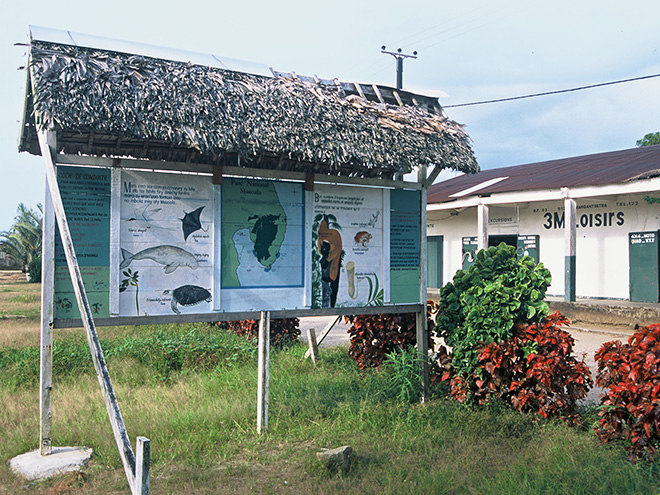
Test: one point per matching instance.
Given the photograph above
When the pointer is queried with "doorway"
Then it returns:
(495, 240)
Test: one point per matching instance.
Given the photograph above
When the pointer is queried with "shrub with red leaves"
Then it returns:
(373, 337)
(283, 332)
(630, 407)
(532, 371)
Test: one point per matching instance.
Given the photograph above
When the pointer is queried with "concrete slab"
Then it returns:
(34, 466)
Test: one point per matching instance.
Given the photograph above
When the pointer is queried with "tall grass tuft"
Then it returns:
(165, 350)
(404, 377)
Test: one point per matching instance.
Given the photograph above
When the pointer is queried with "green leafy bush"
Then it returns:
(483, 304)
(34, 269)
(533, 371)
(630, 407)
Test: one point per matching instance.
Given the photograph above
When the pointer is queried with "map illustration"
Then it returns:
(262, 234)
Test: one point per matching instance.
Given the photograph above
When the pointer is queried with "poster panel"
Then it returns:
(181, 245)
(347, 246)
(262, 234)
(405, 230)
(166, 244)
(86, 198)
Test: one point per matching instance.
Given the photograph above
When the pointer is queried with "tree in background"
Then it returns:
(23, 240)
(649, 139)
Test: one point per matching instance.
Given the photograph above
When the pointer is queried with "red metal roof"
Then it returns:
(613, 167)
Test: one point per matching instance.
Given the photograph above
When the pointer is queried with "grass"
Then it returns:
(191, 389)
(18, 298)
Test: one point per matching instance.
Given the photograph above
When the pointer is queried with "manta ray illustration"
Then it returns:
(191, 222)
(170, 256)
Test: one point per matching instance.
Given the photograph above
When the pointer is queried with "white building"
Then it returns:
(592, 220)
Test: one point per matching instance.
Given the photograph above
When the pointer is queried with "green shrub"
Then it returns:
(533, 371)
(34, 269)
(630, 407)
(483, 304)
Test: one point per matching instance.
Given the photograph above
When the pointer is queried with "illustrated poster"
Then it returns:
(166, 244)
(347, 246)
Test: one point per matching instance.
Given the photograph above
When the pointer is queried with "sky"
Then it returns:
(468, 51)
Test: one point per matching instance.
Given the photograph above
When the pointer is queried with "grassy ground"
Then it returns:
(191, 389)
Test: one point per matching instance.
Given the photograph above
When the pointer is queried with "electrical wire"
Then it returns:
(471, 19)
(484, 102)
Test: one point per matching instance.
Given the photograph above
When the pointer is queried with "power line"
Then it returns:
(551, 92)
(365, 68)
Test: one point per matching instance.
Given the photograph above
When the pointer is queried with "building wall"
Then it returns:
(603, 225)
(9, 263)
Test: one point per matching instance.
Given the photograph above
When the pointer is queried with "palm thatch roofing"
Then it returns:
(113, 104)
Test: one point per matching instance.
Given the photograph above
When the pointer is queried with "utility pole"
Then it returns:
(399, 63)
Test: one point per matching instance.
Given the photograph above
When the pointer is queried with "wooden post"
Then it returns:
(313, 347)
(142, 466)
(47, 310)
(264, 358)
(420, 317)
(324, 334)
(116, 421)
(570, 236)
(482, 227)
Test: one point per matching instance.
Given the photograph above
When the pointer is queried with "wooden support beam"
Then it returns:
(325, 332)
(47, 317)
(398, 98)
(217, 175)
(378, 93)
(313, 346)
(142, 466)
(239, 315)
(97, 161)
(263, 372)
(116, 420)
(433, 175)
(358, 88)
(309, 182)
(420, 317)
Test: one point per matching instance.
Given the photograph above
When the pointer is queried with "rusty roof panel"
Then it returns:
(589, 170)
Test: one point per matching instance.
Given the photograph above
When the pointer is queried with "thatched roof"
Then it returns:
(107, 103)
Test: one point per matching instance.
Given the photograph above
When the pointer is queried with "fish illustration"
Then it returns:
(170, 256)
(191, 222)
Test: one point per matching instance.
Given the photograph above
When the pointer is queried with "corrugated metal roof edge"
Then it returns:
(61, 37)
(441, 192)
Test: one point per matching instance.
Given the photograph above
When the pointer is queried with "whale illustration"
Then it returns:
(170, 256)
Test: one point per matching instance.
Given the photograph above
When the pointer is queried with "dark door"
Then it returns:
(643, 255)
(495, 240)
(434, 261)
